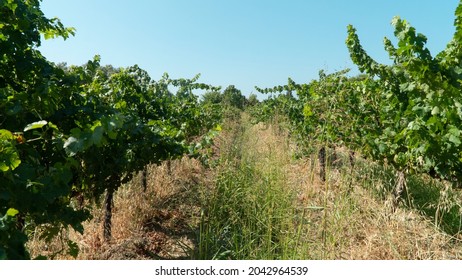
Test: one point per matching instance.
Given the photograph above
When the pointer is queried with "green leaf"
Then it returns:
(35, 125)
(73, 248)
(12, 212)
(6, 134)
(9, 158)
(454, 140)
(436, 110)
(11, 5)
(307, 112)
(97, 135)
(111, 125)
(382, 148)
(53, 126)
(73, 145)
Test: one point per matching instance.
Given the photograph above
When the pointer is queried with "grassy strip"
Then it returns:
(250, 214)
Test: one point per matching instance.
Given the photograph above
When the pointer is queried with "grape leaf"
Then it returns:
(35, 125)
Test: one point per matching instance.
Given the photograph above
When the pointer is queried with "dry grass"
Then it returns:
(157, 224)
(353, 223)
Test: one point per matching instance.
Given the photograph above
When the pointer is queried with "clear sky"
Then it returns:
(245, 43)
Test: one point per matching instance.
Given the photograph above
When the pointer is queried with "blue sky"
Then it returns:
(245, 43)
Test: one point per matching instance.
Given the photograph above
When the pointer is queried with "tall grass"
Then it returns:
(250, 213)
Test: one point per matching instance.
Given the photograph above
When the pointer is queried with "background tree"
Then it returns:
(252, 100)
(233, 97)
(212, 97)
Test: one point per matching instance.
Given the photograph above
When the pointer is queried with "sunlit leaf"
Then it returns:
(9, 157)
(12, 212)
(73, 145)
(35, 125)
